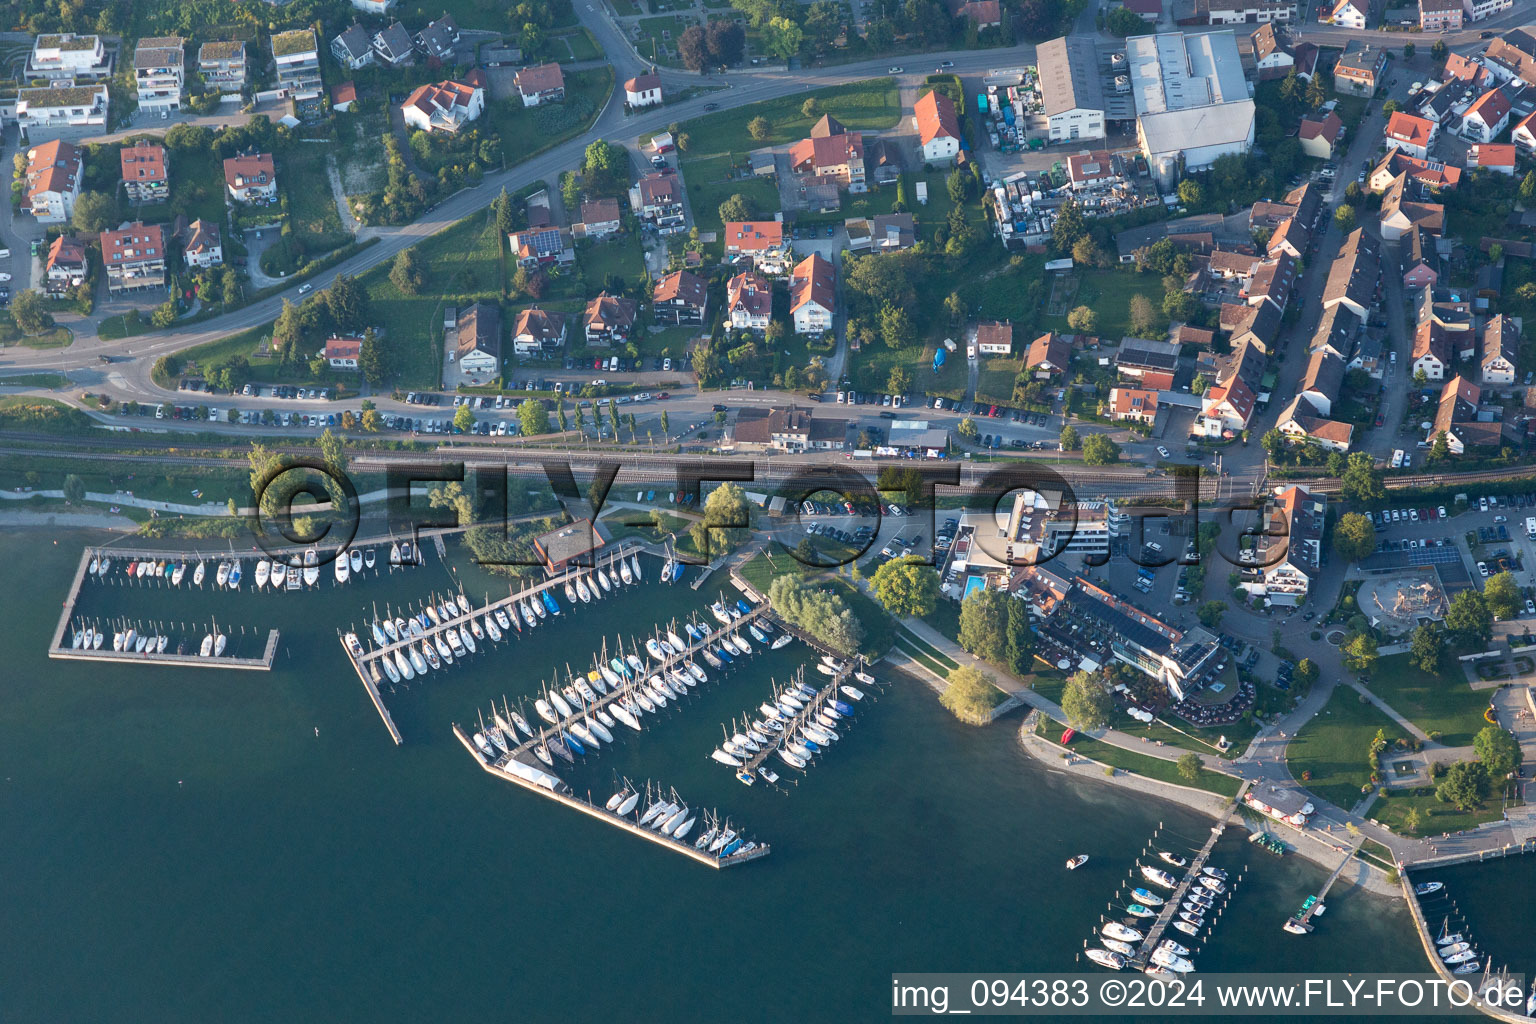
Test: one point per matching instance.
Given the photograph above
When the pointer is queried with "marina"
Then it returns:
(1300, 923)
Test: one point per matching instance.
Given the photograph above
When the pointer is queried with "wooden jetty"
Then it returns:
(1170, 908)
(543, 782)
(1303, 919)
(776, 741)
(59, 648)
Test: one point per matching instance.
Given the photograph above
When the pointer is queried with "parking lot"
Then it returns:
(1487, 538)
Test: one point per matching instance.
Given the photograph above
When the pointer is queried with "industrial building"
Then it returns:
(1193, 102)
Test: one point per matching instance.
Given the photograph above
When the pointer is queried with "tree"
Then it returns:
(164, 314)
(1211, 612)
(452, 495)
(30, 312)
(1123, 21)
(1354, 537)
(970, 695)
(463, 419)
(906, 586)
(1502, 595)
(1307, 672)
(1086, 252)
(1468, 620)
(821, 613)
(737, 207)
(1068, 438)
(347, 303)
(1440, 448)
(1360, 653)
(896, 328)
(1099, 450)
(501, 209)
(957, 184)
(1143, 316)
(1087, 701)
(94, 211)
(759, 128)
(372, 422)
(693, 48)
(1408, 51)
(1083, 320)
(1464, 786)
(1528, 186)
(407, 273)
(370, 360)
(1362, 479)
(74, 489)
(1427, 646)
(1021, 639)
(900, 380)
(984, 624)
(727, 41)
(967, 429)
(1390, 107)
(1189, 766)
(1498, 750)
(1191, 193)
(1439, 50)
(782, 38)
(1344, 217)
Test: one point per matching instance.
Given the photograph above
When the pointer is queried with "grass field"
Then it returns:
(1435, 817)
(995, 381)
(1108, 293)
(580, 44)
(526, 132)
(1443, 704)
(879, 628)
(311, 207)
(51, 381)
(1140, 764)
(196, 190)
(10, 334)
(658, 38)
(713, 180)
(1334, 746)
(620, 524)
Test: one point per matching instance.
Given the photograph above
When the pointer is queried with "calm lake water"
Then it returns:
(181, 845)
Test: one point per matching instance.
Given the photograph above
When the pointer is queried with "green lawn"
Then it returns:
(713, 180)
(312, 211)
(10, 334)
(580, 44)
(526, 132)
(51, 381)
(879, 628)
(658, 38)
(945, 618)
(621, 524)
(762, 569)
(905, 646)
(196, 190)
(1435, 703)
(1108, 293)
(1334, 746)
(1013, 293)
(1139, 764)
(1435, 817)
(463, 265)
(995, 381)
(622, 257)
(357, 149)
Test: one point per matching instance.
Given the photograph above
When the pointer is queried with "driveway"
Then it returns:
(255, 246)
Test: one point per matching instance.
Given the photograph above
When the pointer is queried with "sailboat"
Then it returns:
(624, 573)
(197, 575)
(394, 554)
(222, 576)
(234, 575)
(634, 564)
(178, 574)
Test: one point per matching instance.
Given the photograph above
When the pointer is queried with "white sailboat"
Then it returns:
(197, 575)
(221, 578)
(634, 564)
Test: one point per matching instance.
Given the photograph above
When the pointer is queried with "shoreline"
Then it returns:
(1363, 874)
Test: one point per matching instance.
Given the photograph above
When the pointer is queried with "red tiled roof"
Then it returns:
(133, 243)
(813, 280)
(1491, 107)
(248, 169)
(144, 161)
(1328, 128)
(936, 118)
(1491, 155)
(542, 78)
(343, 348)
(1409, 130)
(753, 235)
(681, 285)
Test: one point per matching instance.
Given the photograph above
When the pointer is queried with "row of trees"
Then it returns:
(819, 612)
(995, 628)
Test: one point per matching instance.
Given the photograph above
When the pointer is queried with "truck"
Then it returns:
(1530, 527)
(981, 102)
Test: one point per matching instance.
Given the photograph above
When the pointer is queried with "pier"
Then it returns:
(59, 648)
(1170, 909)
(1304, 918)
(776, 740)
(501, 769)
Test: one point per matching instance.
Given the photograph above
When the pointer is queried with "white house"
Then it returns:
(353, 48)
(1477, 10)
(1070, 89)
(1486, 118)
(938, 128)
(1524, 135)
(53, 176)
(251, 178)
(479, 339)
(60, 110)
(813, 295)
(201, 245)
(1351, 13)
(342, 353)
(222, 65)
(643, 90)
(159, 72)
(297, 59)
(749, 302)
(59, 56)
(444, 107)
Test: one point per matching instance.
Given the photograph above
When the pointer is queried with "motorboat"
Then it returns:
(1123, 948)
(1213, 884)
(1123, 932)
(1215, 873)
(408, 554)
(354, 560)
(1173, 947)
(220, 578)
(1107, 958)
(292, 575)
(503, 619)
(263, 573)
(1425, 888)
(1148, 897)
(368, 558)
(454, 643)
(1195, 919)
(311, 567)
(1137, 910)
(767, 773)
(851, 692)
(1187, 928)
(1172, 961)
(780, 641)
(1467, 968)
(1159, 876)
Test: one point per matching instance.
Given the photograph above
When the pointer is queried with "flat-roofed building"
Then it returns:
(1192, 101)
(159, 73)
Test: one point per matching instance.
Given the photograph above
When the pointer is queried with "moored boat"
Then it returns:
(1107, 958)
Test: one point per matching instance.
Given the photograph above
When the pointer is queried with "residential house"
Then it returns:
(1303, 203)
(1400, 214)
(608, 320)
(1431, 351)
(353, 48)
(251, 178)
(538, 247)
(1369, 357)
(67, 265)
(1486, 118)
(1070, 88)
(1440, 15)
(1291, 238)
(788, 430)
(981, 13)
(1323, 382)
(1272, 54)
(392, 46)
(996, 339)
(1421, 261)
(760, 240)
(537, 332)
(159, 73)
(1354, 276)
(1513, 56)
(885, 232)
(297, 59)
(439, 41)
(1336, 331)
(1453, 315)
(813, 295)
(1290, 551)
(1301, 424)
(201, 246)
(478, 339)
(1050, 356)
(1133, 405)
(61, 111)
(1496, 157)
(833, 151)
(1272, 282)
(600, 218)
(445, 106)
(1430, 174)
(680, 299)
(1097, 168)
(1152, 363)
(1350, 13)
(658, 199)
(643, 90)
(1228, 405)
(343, 95)
(1461, 419)
(938, 128)
(342, 353)
(1359, 71)
(1319, 136)
(1410, 134)
(1477, 10)
(748, 302)
(1260, 328)
(544, 83)
(1501, 347)
(1200, 337)
(222, 65)
(144, 172)
(134, 256)
(567, 547)
(1524, 135)
(53, 175)
(1225, 265)
(1237, 12)
(61, 57)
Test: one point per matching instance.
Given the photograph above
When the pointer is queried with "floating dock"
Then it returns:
(1303, 919)
(538, 780)
(60, 650)
(816, 703)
